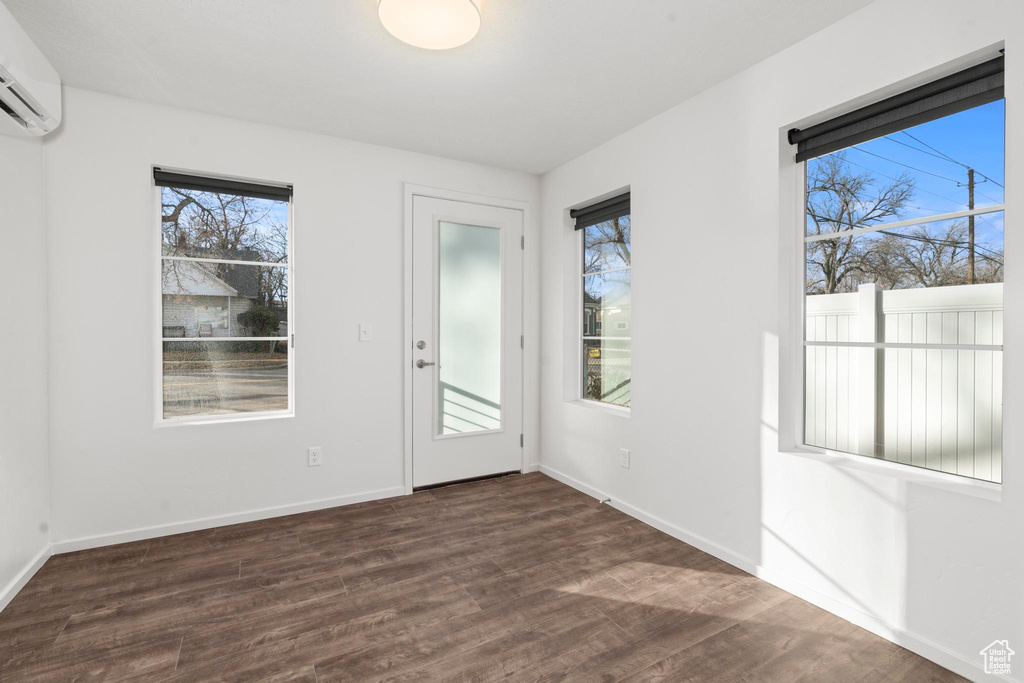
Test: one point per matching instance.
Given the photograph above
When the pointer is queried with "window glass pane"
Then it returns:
(224, 377)
(606, 304)
(220, 226)
(939, 408)
(925, 170)
(929, 255)
(224, 300)
(935, 283)
(606, 245)
(469, 328)
(607, 312)
(606, 370)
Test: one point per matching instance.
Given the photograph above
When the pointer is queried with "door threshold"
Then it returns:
(470, 480)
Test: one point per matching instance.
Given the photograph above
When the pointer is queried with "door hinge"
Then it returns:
(520, 440)
(522, 342)
(522, 242)
(293, 341)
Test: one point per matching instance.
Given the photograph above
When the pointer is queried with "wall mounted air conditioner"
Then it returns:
(29, 85)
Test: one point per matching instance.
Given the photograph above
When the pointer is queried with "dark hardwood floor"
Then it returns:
(517, 579)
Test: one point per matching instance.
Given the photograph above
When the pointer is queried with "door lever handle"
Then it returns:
(424, 363)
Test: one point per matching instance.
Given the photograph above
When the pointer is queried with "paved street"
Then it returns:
(225, 386)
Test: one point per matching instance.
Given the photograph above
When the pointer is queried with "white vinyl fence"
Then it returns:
(935, 408)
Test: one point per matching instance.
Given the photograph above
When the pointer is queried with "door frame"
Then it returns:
(530, 345)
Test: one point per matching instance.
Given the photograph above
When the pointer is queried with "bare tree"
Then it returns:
(224, 226)
(219, 225)
(839, 200)
(607, 244)
(922, 257)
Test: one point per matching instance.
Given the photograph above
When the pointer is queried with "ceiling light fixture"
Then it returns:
(431, 24)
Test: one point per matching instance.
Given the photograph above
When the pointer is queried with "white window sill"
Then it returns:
(597, 406)
(221, 419)
(976, 488)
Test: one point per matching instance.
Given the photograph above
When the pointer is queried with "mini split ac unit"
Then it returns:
(29, 85)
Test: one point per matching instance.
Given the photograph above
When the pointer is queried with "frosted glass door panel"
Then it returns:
(469, 328)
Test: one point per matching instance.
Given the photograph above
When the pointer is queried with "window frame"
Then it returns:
(984, 488)
(159, 420)
(581, 275)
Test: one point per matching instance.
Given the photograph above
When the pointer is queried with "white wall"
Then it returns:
(934, 567)
(113, 472)
(24, 483)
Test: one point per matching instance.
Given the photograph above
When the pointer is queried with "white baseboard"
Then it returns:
(575, 483)
(23, 577)
(141, 534)
(922, 646)
(532, 467)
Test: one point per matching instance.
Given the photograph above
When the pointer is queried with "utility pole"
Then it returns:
(970, 227)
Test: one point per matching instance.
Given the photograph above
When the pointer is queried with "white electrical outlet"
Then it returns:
(314, 456)
(365, 332)
(624, 458)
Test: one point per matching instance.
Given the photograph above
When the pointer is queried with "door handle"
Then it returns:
(424, 363)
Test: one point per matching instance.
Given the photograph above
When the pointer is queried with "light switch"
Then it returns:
(365, 332)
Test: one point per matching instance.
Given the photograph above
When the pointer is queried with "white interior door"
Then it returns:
(467, 300)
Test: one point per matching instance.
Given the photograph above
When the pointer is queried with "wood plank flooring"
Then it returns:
(515, 579)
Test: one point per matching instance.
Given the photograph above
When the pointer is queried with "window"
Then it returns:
(903, 292)
(226, 319)
(606, 301)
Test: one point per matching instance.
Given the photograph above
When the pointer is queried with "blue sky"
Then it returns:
(279, 210)
(935, 155)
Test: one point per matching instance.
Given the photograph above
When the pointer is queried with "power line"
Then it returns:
(955, 202)
(991, 199)
(945, 156)
(996, 256)
(912, 168)
(985, 217)
(941, 154)
(918, 238)
(918, 149)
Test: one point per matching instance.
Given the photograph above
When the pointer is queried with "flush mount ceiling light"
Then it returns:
(431, 24)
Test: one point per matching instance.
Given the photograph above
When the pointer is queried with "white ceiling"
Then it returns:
(543, 82)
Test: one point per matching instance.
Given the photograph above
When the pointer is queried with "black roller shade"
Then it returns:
(969, 88)
(609, 209)
(235, 187)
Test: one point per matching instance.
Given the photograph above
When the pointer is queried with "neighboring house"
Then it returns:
(198, 303)
(591, 323)
(607, 361)
(609, 317)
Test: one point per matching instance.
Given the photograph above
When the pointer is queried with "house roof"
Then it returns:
(188, 278)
